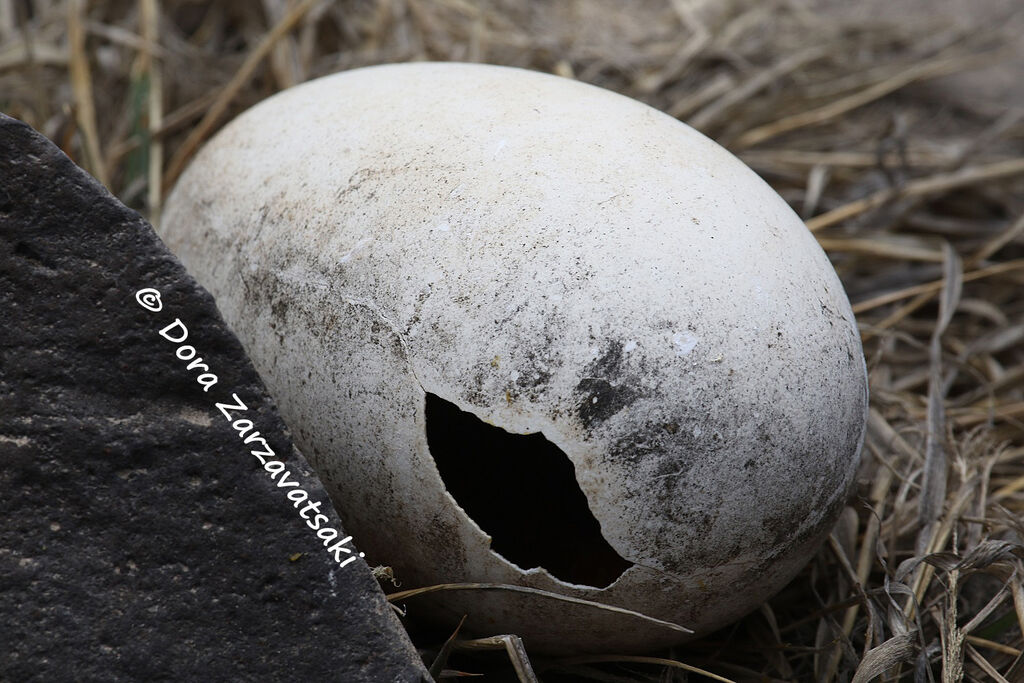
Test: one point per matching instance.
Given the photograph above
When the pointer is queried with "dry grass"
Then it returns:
(917, 196)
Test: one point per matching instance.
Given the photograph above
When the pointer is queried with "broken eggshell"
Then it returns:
(550, 258)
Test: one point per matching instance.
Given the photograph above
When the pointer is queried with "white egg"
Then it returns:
(396, 244)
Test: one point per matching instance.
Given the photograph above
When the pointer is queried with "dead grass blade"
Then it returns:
(930, 288)
(985, 666)
(989, 249)
(890, 654)
(994, 646)
(184, 153)
(599, 659)
(881, 247)
(711, 114)
(933, 487)
(912, 158)
(81, 85)
(513, 645)
(981, 556)
(952, 638)
(149, 13)
(442, 656)
(921, 187)
(413, 592)
(917, 72)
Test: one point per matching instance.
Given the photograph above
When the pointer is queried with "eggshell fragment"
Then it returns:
(549, 257)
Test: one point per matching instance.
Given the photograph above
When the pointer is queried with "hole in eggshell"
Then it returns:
(521, 490)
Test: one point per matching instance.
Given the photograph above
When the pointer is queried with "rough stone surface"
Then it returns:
(139, 538)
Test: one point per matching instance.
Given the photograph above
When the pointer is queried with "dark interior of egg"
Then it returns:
(522, 491)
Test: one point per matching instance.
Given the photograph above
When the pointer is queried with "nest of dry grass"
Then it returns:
(915, 192)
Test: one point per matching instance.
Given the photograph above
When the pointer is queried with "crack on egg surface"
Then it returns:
(521, 490)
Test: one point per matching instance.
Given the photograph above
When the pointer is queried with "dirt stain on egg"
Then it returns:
(606, 388)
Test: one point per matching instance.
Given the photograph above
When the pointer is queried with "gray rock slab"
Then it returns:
(140, 539)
